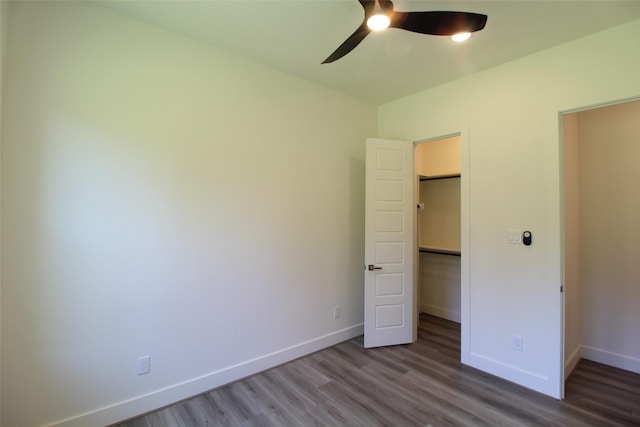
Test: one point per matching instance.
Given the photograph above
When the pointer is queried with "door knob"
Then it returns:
(373, 267)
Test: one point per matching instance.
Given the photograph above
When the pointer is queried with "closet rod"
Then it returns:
(440, 251)
(433, 178)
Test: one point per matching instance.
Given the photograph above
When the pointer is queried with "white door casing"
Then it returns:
(390, 313)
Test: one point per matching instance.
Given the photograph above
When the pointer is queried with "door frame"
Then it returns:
(465, 277)
(567, 366)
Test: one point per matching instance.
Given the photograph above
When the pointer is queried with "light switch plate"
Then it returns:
(514, 236)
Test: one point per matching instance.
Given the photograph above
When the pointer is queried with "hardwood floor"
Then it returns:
(422, 384)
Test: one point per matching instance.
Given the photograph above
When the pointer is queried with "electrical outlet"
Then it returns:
(143, 365)
(517, 343)
(336, 311)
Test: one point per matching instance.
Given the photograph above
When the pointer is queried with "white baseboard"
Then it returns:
(176, 392)
(616, 360)
(444, 313)
(571, 362)
(533, 380)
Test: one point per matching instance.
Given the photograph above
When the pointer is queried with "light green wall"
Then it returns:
(4, 6)
(164, 198)
(513, 173)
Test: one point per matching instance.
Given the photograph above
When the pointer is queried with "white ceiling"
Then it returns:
(295, 36)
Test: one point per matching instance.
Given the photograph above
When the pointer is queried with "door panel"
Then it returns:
(389, 244)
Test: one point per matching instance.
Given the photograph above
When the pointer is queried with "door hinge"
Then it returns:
(561, 289)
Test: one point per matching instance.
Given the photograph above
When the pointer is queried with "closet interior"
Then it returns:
(601, 154)
(438, 168)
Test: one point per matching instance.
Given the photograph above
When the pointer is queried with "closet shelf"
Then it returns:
(440, 251)
(434, 177)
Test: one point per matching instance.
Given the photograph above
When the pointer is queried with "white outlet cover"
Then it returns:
(143, 365)
(517, 343)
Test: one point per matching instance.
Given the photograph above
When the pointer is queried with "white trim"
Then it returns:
(180, 391)
(463, 130)
(529, 379)
(465, 245)
(442, 312)
(601, 105)
(610, 358)
(590, 353)
(571, 363)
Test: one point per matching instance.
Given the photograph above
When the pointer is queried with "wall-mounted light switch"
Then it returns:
(514, 236)
(336, 311)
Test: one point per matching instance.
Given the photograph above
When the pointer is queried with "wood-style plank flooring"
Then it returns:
(422, 384)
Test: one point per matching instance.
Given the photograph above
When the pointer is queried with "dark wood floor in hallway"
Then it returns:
(422, 384)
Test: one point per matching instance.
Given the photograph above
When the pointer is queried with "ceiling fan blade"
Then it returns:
(439, 23)
(367, 5)
(349, 44)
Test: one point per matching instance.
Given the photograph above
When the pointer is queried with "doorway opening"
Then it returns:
(438, 192)
(601, 151)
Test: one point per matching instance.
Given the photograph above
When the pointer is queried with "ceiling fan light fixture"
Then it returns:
(380, 14)
(378, 22)
(460, 37)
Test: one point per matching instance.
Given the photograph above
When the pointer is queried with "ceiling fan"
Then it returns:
(379, 14)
